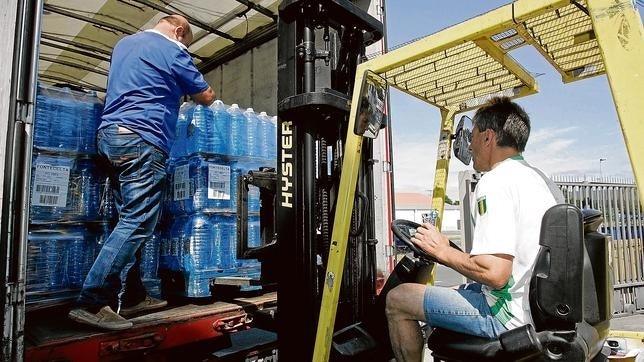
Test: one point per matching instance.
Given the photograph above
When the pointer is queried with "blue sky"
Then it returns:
(573, 125)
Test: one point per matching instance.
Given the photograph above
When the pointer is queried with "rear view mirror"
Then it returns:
(371, 105)
(462, 139)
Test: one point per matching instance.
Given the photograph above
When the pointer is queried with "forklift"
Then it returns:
(324, 147)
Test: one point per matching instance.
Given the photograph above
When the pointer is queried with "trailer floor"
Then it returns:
(50, 334)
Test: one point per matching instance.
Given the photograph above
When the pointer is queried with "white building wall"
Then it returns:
(451, 217)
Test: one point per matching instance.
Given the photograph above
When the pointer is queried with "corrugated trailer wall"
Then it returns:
(249, 80)
(618, 200)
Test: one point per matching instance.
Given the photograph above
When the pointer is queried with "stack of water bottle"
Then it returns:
(213, 147)
(65, 192)
(71, 203)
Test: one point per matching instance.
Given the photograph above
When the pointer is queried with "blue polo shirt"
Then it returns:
(149, 74)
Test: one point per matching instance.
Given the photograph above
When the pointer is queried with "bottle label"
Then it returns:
(51, 184)
(219, 182)
(181, 185)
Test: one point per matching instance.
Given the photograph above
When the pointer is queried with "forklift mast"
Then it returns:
(320, 44)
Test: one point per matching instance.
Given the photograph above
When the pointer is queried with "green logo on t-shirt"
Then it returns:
(501, 308)
(482, 206)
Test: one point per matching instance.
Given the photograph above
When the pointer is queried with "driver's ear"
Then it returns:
(488, 134)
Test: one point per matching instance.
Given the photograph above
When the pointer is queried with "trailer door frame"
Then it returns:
(21, 22)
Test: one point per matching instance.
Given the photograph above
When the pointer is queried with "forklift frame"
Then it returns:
(461, 67)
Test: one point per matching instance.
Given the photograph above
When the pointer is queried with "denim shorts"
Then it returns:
(463, 310)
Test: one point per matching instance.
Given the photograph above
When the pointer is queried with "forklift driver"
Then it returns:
(510, 201)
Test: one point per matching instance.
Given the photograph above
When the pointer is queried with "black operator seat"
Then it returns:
(570, 293)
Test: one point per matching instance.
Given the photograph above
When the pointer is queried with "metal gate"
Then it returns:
(619, 201)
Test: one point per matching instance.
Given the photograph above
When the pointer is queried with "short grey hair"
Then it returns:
(510, 122)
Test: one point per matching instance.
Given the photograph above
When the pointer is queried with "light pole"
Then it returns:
(600, 168)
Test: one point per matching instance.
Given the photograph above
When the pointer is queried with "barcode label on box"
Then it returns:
(218, 182)
(51, 184)
(181, 183)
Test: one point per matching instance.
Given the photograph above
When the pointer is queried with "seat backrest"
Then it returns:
(556, 287)
(598, 283)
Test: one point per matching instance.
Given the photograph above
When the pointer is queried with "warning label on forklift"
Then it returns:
(219, 182)
(50, 186)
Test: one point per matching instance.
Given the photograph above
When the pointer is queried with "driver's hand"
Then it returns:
(428, 238)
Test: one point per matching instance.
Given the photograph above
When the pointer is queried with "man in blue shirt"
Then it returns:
(150, 71)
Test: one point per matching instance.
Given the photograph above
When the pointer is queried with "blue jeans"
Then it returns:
(462, 310)
(137, 171)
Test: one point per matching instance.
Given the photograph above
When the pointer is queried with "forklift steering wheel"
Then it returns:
(405, 229)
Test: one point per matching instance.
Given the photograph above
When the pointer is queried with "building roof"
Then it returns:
(417, 201)
(413, 200)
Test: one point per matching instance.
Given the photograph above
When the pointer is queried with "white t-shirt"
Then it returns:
(510, 202)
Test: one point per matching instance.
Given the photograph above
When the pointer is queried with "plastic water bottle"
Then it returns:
(50, 184)
(67, 135)
(66, 120)
(42, 118)
(164, 248)
(81, 254)
(150, 252)
(46, 117)
(202, 256)
(253, 131)
(89, 190)
(175, 249)
(254, 235)
(238, 132)
(235, 173)
(253, 198)
(252, 266)
(37, 272)
(91, 109)
(264, 135)
(201, 132)
(64, 189)
(273, 138)
(198, 244)
(178, 148)
(182, 189)
(62, 128)
(221, 128)
(106, 205)
(211, 180)
(47, 260)
(198, 174)
(49, 108)
(220, 242)
(229, 242)
(168, 200)
(97, 112)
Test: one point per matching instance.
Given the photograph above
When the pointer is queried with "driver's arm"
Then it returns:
(493, 270)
